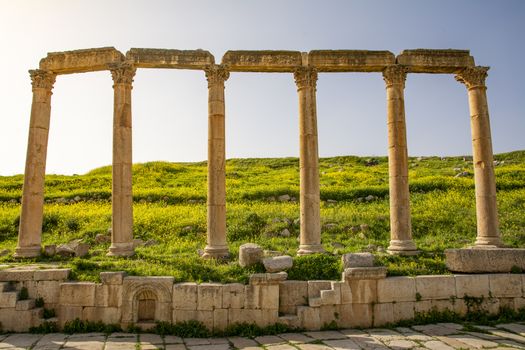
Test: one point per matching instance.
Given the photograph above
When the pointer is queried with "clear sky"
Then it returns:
(170, 106)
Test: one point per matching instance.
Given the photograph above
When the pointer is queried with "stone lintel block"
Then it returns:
(23, 305)
(52, 275)
(262, 61)
(365, 273)
(168, 58)
(435, 287)
(17, 274)
(350, 60)
(398, 289)
(185, 296)
(233, 296)
(472, 286)
(78, 61)
(435, 61)
(209, 296)
(8, 299)
(268, 278)
(474, 260)
(49, 291)
(505, 285)
(112, 277)
(77, 293)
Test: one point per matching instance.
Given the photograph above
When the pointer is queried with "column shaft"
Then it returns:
(122, 196)
(400, 222)
(217, 246)
(30, 231)
(488, 234)
(310, 227)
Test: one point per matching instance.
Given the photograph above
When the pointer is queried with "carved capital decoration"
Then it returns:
(216, 74)
(42, 79)
(473, 77)
(395, 74)
(122, 73)
(305, 77)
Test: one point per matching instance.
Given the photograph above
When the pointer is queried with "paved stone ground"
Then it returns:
(441, 336)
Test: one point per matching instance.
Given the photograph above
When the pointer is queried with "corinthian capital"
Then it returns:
(122, 73)
(473, 76)
(216, 74)
(305, 77)
(395, 74)
(42, 79)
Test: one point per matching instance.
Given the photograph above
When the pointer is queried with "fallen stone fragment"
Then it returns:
(278, 263)
(250, 254)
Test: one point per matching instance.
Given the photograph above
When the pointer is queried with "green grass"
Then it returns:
(170, 207)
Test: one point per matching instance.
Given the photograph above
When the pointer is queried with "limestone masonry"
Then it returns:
(363, 298)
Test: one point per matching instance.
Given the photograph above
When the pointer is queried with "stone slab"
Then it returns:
(435, 287)
(51, 274)
(78, 61)
(365, 273)
(262, 61)
(435, 61)
(350, 60)
(485, 260)
(167, 58)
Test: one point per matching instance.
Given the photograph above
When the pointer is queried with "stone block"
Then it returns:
(435, 61)
(206, 317)
(383, 314)
(435, 287)
(107, 315)
(220, 319)
(268, 278)
(278, 263)
(346, 293)
(403, 311)
(443, 305)
(328, 314)
(357, 260)
(350, 60)
(519, 303)
(24, 305)
(78, 61)
(363, 291)
(262, 61)
(269, 297)
(472, 285)
(269, 317)
(68, 313)
(330, 297)
(250, 254)
(17, 321)
(396, 289)
(505, 285)
(291, 295)
(244, 316)
(365, 273)
(252, 296)
(31, 286)
(209, 296)
(8, 299)
(356, 315)
(233, 296)
(17, 274)
(52, 275)
(77, 294)
(49, 291)
(309, 318)
(168, 58)
(315, 287)
(108, 295)
(112, 277)
(185, 296)
(423, 306)
(184, 315)
(485, 260)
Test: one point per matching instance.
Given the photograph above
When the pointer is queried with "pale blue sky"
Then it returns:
(170, 106)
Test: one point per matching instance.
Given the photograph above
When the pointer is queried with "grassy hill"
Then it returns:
(170, 207)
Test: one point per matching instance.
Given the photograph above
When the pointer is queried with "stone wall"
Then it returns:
(361, 299)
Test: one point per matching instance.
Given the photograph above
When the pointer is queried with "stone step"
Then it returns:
(27, 304)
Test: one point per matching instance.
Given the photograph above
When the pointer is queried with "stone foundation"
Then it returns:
(360, 299)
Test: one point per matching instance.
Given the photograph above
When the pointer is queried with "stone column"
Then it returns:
(216, 247)
(486, 209)
(310, 231)
(401, 242)
(30, 231)
(122, 197)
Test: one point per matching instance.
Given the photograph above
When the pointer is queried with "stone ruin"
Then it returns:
(363, 298)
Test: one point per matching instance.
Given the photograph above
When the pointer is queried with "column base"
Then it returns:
(216, 252)
(488, 242)
(27, 252)
(305, 249)
(402, 247)
(121, 249)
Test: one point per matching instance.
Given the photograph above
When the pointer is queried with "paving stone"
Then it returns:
(214, 341)
(175, 347)
(511, 344)
(384, 334)
(296, 338)
(210, 347)
(400, 344)
(435, 330)
(21, 340)
(87, 335)
(148, 346)
(474, 342)
(455, 343)
(411, 334)
(242, 343)
(483, 336)
(52, 341)
(437, 345)
(351, 331)
(196, 341)
(148, 338)
(342, 344)
(325, 335)
(171, 339)
(312, 347)
(84, 344)
(513, 327)
(269, 340)
(367, 342)
(280, 347)
(455, 326)
(508, 335)
(121, 341)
